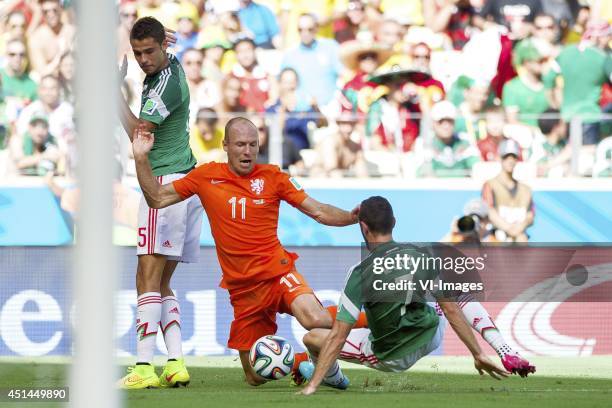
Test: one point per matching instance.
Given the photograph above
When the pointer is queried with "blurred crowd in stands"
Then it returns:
(336, 88)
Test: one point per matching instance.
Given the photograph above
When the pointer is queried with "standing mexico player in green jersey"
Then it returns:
(403, 327)
(165, 236)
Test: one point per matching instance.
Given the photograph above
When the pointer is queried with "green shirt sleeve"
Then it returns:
(161, 101)
(350, 303)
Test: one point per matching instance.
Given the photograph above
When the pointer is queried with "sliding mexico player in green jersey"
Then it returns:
(169, 235)
(402, 326)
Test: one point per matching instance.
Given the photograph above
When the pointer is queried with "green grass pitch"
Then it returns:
(434, 386)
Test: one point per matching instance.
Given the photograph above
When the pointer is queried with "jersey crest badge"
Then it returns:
(257, 186)
(149, 106)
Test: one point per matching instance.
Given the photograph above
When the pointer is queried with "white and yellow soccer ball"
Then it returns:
(271, 357)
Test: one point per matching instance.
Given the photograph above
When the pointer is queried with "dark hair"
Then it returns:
(376, 212)
(548, 120)
(148, 27)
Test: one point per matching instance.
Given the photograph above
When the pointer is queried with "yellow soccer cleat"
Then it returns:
(139, 377)
(174, 375)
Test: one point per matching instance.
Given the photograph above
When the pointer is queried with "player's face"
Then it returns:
(149, 54)
(242, 148)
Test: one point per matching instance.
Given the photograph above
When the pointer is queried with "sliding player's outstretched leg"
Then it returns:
(334, 377)
(296, 377)
(478, 317)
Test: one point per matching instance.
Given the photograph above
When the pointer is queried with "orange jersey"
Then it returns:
(243, 216)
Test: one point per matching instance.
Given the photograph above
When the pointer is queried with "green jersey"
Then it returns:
(398, 328)
(529, 102)
(455, 159)
(22, 87)
(584, 73)
(165, 102)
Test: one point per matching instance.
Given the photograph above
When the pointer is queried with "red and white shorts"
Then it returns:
(357, 349)
(172, 231)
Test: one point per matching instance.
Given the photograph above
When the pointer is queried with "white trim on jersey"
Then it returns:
(163, 81)
(346, 303)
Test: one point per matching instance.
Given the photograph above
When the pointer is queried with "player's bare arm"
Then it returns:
(329, 353)
(157, 195)
(327, 214)
(464, 332)
(130, 122)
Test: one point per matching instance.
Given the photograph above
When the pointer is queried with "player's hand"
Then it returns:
(123, 68)
(142, 142)
(307, 390)
(170, 38)
(484, 364)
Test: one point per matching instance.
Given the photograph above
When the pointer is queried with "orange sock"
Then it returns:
(361, 323)
(297, 359)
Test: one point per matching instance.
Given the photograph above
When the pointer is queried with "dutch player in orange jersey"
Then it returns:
(241, 200)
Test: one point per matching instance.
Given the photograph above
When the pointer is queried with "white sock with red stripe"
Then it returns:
(148, 316)
(478, 317)
(334, 375)
(171, 326)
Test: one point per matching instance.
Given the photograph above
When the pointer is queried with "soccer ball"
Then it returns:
(271, 357)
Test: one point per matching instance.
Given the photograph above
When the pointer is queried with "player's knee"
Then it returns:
(310, 340)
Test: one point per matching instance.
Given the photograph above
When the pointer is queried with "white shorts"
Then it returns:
(172, 231)
(358, 349)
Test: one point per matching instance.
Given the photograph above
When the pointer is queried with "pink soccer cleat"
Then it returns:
(516, 364)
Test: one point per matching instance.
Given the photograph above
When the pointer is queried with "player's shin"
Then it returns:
(171, 327)
(334, 375)
(148, 315)
(478, 317)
